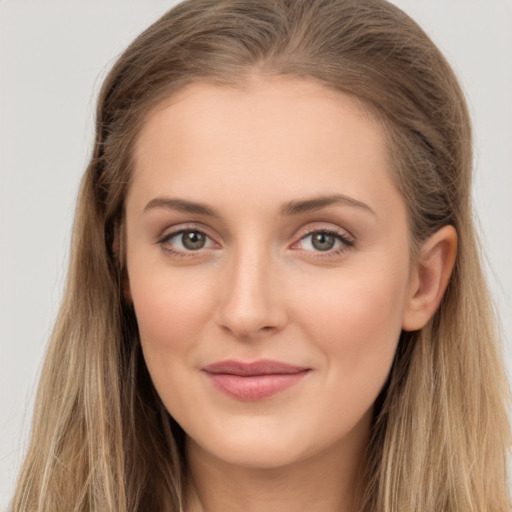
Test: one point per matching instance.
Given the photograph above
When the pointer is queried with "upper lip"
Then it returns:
(261, 367)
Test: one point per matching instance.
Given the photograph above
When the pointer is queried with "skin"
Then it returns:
(260, 288)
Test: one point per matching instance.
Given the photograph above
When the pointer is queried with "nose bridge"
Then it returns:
(249, 303)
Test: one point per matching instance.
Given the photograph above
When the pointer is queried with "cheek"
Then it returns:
(171, 307)
(356, 321)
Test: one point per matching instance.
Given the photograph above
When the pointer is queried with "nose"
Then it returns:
(251, 305)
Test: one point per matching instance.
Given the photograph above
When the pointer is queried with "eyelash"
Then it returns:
(346, 243)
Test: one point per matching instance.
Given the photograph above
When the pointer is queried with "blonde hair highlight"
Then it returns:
(101, 437)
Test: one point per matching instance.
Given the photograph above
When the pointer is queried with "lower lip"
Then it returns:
(254, 387)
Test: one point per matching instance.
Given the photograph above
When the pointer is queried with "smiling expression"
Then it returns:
(263, 225)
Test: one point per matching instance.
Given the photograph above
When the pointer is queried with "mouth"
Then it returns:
(253, 381)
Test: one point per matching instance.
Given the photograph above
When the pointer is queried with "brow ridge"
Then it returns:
(298, 207)
(181, 205)
(295, 207)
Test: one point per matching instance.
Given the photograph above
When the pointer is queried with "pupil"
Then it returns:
(323, 241)
(193, 240)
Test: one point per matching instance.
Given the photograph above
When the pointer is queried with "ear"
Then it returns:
(429, 278)
(127, 292)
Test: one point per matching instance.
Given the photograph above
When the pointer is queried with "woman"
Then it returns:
(275, 299)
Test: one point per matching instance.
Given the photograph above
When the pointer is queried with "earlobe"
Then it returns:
(430, 277)
(127, 292)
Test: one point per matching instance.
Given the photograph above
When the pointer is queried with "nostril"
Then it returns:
(243, 332)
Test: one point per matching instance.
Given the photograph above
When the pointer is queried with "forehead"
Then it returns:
(254, 98)
(273, 137)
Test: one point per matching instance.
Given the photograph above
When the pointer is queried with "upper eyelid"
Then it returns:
(331, 229)
(171, 231)
(345, 240)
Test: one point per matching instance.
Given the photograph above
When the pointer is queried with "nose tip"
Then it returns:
(251, 305)
(248, 317)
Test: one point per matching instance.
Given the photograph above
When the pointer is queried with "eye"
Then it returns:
(324, 241)
(321, 241)
(191, 240)
(186, 240)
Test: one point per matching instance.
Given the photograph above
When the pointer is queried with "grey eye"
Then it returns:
(193, 240)
(187, 241)
(322, 241)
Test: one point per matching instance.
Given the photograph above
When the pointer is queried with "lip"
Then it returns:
(255, 380)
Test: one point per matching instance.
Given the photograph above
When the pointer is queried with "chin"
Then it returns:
(257, 447)
(258, 455)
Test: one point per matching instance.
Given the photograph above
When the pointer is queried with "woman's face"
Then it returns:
(268, 264)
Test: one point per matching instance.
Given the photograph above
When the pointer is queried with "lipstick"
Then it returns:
(253, 381)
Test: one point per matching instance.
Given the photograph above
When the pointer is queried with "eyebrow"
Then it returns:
(296, 207)
(182, 205)
(317, 203)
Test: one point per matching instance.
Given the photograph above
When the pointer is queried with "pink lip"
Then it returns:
(253, 381)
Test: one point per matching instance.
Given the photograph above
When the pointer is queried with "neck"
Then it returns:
(326, 482)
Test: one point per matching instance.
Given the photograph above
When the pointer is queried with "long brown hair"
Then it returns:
(102, 439)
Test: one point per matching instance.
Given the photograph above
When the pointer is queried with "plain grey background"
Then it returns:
(53, 55)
